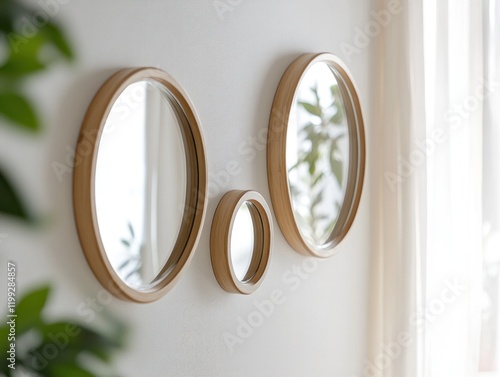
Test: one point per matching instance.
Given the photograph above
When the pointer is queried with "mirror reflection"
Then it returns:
(242, 241)
(140, 183)
(317, 155)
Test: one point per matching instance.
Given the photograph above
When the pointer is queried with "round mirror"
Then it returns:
(316, 153)
(139, 183)
(240, 241)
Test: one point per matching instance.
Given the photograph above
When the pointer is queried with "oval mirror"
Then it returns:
(316, 153)
(139, 183)
(240, 241)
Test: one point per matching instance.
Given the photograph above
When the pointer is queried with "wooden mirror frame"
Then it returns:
(220, 241)
(276, 153)
(84, 184)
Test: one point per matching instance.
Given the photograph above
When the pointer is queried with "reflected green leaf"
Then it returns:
(314, 89)
(131, 229)
(317, 200)
(338, 117)
(314, 110)
(318, 179)
(337, 95)
(335, 163)
(311, 159)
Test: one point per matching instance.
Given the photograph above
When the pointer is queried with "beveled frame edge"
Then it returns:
(276, 153)
(84, 176)
(220, 241)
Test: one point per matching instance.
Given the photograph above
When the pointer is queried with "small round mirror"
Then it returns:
(139, 184)
(316, 153)
(240, 241)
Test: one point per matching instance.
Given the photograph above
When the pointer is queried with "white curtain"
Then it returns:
(455, 97)
(399, 261)
(490, 334)
(427, 267)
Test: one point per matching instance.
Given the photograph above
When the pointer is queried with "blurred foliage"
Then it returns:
(30, 43)
(61, 348)
(319, 142)
(9, 201)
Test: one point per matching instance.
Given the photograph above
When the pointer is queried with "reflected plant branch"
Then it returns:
(319, 157)
(133, 261)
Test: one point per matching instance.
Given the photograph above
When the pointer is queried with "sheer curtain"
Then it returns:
(455, 97)
(399, 260)
(428, 264)
(489, 363)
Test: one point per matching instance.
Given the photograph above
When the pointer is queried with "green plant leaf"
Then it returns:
(76, 339)
(314, 110)
(10, 203)
(69, 370)
(55, 35)
(24, 54)
(19, 111)
(30, 307)
(4, 347)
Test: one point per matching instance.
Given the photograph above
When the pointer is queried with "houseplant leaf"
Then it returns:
(10, 203)
(18, 110)
(30, 307)
(69, 370)
(55, 35)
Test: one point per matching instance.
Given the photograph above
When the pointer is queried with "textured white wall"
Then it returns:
(230, 68)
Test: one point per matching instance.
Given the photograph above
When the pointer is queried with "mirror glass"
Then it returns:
(242, 241)
(141, 183)
(317, 154)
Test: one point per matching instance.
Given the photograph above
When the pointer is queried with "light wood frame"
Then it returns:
(284, 99)
(220, 241)
(84, 179)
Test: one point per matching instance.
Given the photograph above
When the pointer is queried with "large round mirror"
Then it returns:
(240, 241)
(139, 185)
(316, 153)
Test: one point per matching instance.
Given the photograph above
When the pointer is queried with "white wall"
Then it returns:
(230, 68)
